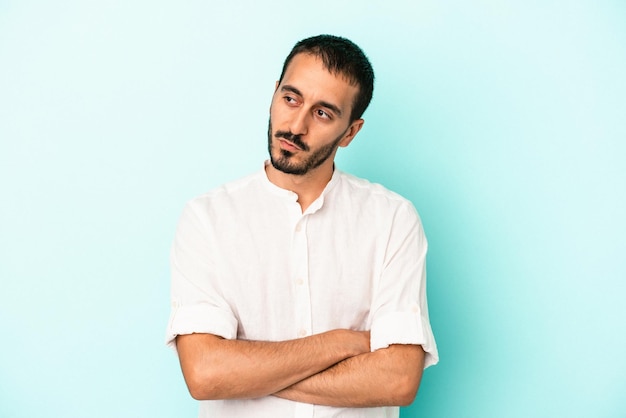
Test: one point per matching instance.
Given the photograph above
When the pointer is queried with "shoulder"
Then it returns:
(232, 189)
(382, 210)
(236, 192)
(364, 192)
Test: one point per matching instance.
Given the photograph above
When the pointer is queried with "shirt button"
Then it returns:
(299, 282)
(298, 228)
(302, 333)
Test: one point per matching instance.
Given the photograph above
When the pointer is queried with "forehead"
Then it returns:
(308, 74)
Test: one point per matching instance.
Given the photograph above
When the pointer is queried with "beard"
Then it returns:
(283, 160)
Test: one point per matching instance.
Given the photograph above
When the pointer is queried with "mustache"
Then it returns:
(294, 139)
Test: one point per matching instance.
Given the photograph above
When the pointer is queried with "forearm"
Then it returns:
(215, 368)
(386, 377)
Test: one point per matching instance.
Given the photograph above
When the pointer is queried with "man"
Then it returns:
(299, 291)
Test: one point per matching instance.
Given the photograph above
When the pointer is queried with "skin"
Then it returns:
(314, 104)
(334, 368)
(216, 368)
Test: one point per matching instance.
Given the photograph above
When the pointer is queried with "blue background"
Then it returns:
(503, 121)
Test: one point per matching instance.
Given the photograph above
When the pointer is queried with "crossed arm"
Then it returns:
(334, 368)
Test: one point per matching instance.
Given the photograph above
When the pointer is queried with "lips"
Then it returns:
(288, 146)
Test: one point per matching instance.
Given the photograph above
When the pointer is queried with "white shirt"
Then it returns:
(248, 264)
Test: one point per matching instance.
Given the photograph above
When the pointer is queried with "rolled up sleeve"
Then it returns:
(400, 308)
(197, 304)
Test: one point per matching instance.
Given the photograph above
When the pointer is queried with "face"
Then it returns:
(310, 117)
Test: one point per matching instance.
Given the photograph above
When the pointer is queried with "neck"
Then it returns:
(308, 186)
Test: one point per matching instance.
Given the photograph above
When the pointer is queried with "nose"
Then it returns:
(300, 122)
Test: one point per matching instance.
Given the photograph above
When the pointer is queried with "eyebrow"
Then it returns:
(327, 105)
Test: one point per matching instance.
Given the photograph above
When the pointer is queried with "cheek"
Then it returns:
(276, 116)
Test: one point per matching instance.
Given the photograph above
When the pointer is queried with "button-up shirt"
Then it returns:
(248, 264)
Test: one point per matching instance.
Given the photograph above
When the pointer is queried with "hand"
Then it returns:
(355, 342)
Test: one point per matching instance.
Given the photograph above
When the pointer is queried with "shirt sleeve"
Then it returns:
(197, 304)
(400, 309)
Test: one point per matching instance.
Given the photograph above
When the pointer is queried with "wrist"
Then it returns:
(350, 343)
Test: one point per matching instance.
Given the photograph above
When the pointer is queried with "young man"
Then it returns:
(299, 291)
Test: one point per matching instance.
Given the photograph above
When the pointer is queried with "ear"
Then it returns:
(351, 132)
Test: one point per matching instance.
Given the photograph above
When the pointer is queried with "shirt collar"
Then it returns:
(317, 203)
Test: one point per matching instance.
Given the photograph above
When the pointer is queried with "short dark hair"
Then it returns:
(340, 56)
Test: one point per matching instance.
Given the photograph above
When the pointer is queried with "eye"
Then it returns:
(290, 100)
(323, 114)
